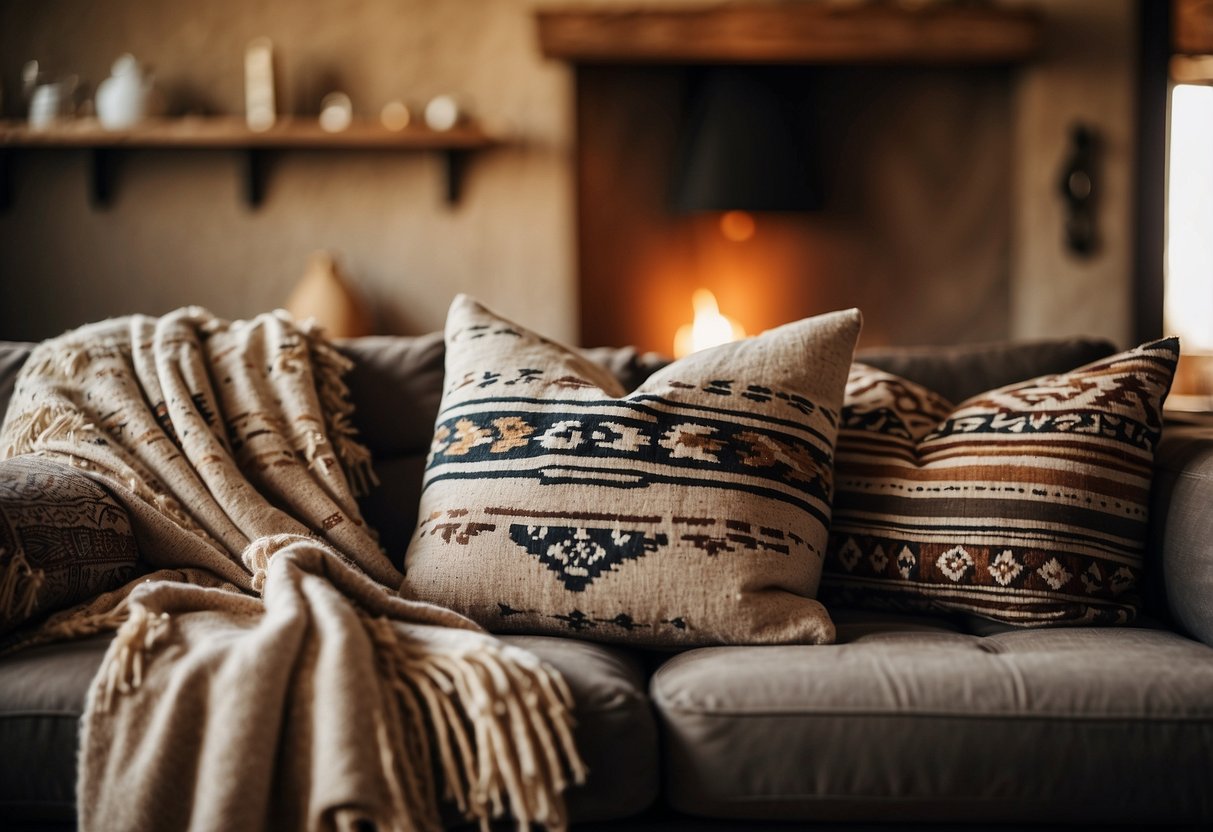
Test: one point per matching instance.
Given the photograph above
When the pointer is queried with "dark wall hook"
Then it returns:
(1078, 188)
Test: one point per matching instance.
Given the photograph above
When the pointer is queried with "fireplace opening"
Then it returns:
(906, 206)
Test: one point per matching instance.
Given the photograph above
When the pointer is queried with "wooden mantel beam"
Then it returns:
(793, 32)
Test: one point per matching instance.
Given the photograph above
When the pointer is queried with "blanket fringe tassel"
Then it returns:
(19, 585)
(37, 427)
(123, 668)
(502, 723)
(330, 367)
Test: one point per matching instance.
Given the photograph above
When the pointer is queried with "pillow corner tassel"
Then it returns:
(19, 585)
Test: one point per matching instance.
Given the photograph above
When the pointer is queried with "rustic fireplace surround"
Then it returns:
(914, 126)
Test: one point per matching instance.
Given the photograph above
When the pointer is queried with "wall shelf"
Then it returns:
(231, 133)
(793, 32)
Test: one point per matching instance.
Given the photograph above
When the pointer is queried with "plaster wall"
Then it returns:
(179, 231)
(1085, 74)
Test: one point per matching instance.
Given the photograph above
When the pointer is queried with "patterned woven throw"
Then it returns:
(266, 672)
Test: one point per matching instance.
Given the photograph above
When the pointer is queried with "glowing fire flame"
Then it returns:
(709, 328)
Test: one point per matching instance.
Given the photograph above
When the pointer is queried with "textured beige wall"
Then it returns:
(179, 232)
(1087, 73)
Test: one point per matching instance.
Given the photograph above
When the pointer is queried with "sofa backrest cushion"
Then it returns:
(12, 358)
(1027, 504)
(964, 370)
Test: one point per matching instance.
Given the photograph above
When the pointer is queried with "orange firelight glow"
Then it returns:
(737, 226)
(708, 329)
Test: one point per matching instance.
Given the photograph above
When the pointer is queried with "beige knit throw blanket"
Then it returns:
(267, 674)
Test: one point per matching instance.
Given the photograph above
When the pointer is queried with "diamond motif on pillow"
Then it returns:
(954, 563)
(878, 559)
(1054, 574)
(1092, 579)
(849, 554)
(1005, 568)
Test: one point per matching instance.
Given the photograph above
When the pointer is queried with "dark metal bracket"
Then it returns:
(455, 165)
(102, 172)
(256, 171)
(6, 178)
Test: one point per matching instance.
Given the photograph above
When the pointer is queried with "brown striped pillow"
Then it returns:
(690, 511)
(1026, 504)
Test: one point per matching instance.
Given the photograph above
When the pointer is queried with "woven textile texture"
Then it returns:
(265, 671)
(1027, 504)
(63, 540)
(691, 511)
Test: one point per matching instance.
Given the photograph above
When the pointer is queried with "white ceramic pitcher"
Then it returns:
(127, 97)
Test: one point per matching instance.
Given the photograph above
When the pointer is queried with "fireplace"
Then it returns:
(914, 157)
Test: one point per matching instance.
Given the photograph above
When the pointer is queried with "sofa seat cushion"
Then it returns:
(903, 720)
(42, 693)
(616, 730)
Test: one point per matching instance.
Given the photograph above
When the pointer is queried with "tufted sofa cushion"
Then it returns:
(911, 719)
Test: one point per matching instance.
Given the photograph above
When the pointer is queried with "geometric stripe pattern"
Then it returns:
(693, 510)
(633, 443)
(1027, 504)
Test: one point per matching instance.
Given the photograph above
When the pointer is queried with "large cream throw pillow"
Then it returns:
(691, 511)
(1027, 504)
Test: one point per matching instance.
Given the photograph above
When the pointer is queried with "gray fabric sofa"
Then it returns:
(906, 719)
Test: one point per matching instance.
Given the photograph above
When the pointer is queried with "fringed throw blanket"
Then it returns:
(266, 673)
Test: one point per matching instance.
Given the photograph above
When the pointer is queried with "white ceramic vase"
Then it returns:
(127, 97)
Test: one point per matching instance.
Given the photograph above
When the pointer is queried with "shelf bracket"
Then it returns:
(6, 178)
(103, 170)
(455, 165)
(256, 171)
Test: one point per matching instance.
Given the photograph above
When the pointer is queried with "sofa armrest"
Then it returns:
(1181, 530)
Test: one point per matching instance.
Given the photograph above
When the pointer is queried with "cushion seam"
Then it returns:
(628, 706)
(664, 707)
(864, 797)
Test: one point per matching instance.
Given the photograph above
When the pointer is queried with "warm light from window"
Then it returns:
(1189, 275)
(708, 329)
(736, 226)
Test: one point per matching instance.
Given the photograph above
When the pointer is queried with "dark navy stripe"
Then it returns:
(634, 403)
(643, 480)
(774, 420)
(930, 511)
(727, 456)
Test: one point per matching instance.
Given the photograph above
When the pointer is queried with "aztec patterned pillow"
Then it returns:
(1026, 504)
(63, 540)
(691, 511)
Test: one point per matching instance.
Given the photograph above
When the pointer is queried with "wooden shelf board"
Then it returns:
(793, 32)
(232, 133)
